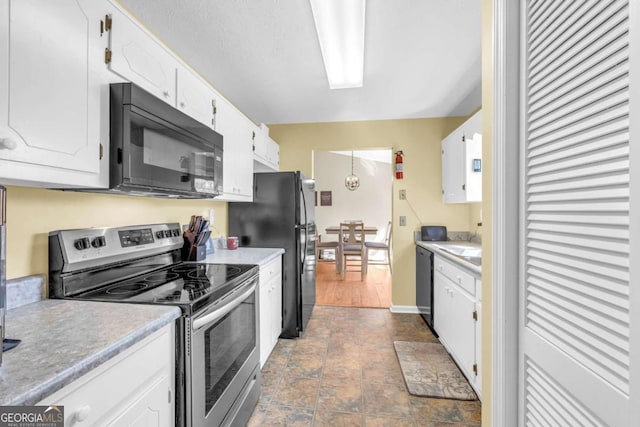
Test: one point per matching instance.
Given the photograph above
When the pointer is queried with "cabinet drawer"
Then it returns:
(110, 389)
(456, 275)
(271, 270)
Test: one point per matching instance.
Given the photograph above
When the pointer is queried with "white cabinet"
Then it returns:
(457, 317)
(462, 163)
(195, 98)
(50, 92)
(238, 133)
(270, 307)
(138, 57)
(135, 388)
(266, 152)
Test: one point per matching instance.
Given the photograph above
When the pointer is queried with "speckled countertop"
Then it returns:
(259, 256)
(433, 246)
(63, 340)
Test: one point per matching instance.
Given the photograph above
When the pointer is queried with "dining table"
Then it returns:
(335, 229)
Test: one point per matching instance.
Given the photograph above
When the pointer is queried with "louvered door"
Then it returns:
(575, 282)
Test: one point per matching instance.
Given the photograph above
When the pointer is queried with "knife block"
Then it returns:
(192, 251)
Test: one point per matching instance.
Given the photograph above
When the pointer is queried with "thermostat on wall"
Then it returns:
(477, 165)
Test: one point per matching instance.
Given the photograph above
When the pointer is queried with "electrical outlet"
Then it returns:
(403, 194)
(403, 221)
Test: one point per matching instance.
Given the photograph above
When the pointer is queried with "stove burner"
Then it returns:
(165, 276)
(185, 268)
(126, 289)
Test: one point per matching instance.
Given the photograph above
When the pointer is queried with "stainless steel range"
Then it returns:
(217, 361)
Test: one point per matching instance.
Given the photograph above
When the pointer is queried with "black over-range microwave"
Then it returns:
(157, 150)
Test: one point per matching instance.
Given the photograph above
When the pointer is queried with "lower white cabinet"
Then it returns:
(457, 317)
(135, 388)
(270, 307)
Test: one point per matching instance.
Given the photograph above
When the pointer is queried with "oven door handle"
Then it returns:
(222, 311)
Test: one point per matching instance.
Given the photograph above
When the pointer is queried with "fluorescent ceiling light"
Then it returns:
(340, 27)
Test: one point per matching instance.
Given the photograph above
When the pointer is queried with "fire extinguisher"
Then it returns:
(399, 166)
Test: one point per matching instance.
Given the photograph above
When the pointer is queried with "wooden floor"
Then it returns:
(374, 291)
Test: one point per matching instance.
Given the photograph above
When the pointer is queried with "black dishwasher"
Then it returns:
(424, 284)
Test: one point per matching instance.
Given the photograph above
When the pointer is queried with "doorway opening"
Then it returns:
(370, 203)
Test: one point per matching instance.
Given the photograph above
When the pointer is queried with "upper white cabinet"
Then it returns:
(266, 152)
(462, 163)
(195, 98)
(50, 92)
(238, 133)
(138, 57)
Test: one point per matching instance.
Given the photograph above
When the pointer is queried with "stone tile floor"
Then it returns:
(344, 372)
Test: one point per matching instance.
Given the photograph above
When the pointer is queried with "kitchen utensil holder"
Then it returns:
(193, 251)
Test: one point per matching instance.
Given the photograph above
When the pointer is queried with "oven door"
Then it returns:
(225, 362)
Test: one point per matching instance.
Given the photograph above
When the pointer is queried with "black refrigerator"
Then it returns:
(282, 216)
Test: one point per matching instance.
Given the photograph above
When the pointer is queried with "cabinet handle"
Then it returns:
(82, 413)
(7, 144)
(459, 279)
(165, 93)
(182, 105)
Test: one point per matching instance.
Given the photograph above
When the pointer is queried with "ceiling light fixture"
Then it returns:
(352, 182)
(340, 28)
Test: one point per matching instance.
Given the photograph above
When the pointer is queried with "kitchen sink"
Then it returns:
(468, 253)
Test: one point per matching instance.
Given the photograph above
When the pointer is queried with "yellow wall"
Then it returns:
(419, 139)
(487, 177)
(33, 212)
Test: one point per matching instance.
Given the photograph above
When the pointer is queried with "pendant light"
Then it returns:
(352, 182)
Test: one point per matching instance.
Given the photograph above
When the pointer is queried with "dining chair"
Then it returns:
(380, 246)
(322, 246)
(352, 248)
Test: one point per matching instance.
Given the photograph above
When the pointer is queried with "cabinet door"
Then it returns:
(462, 329)
(441, 305)
(265, 316)
(266, 153)
(136, 387)
(276, 296)
(139, 58)
(273, 153)
(195, 98)
(238, 133)
(150, 409)
(478, 380)
(49, 93)
(453, 179)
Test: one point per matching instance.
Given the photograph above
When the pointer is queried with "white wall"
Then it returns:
(371, 202)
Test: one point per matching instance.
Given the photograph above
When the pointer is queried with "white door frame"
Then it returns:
(505, 206)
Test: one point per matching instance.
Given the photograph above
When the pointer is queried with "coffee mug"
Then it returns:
(232, 243)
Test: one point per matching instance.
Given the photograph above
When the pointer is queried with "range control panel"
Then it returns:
(86, 247)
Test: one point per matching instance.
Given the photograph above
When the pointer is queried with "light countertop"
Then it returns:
(63, 340)
(436, 249)
(243, 255)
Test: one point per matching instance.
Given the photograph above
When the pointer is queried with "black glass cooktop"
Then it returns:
(181, 284)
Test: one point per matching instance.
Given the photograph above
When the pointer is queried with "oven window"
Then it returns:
(228, 344)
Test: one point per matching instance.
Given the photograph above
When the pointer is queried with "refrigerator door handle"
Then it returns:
(306, 231)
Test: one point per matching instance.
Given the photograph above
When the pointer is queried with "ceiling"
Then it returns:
(422, 57)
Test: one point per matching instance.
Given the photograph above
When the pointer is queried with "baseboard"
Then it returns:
(406, 309)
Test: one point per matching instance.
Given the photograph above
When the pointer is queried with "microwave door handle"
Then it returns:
(222, 311)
